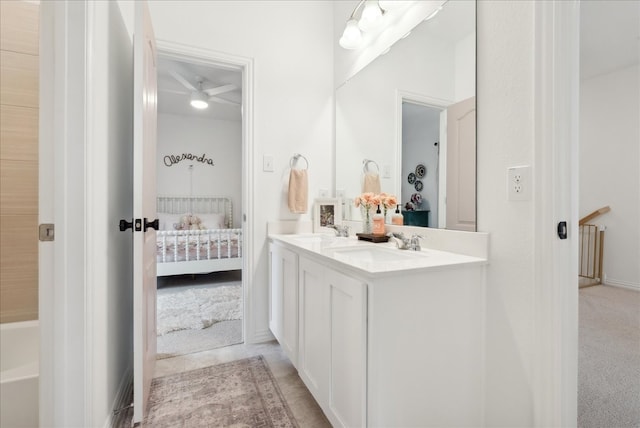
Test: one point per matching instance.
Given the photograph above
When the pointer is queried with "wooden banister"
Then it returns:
(593, 215)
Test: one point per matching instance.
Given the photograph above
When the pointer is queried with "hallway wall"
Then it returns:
(610, 168)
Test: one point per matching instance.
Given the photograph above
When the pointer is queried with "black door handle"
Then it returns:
(155, 224)
(124, 225)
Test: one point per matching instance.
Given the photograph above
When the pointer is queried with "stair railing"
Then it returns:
(591, 248)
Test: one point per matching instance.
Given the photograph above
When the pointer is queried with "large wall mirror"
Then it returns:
(409, 116)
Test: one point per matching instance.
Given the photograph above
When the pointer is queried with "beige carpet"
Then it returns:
(241, 393)
(609, 358)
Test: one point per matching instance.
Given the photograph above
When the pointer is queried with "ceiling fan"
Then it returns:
(200, 96)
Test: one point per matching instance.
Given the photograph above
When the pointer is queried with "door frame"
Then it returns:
(206, 57)
(555, 154)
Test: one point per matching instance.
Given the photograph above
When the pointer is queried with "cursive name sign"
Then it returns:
(174, 159)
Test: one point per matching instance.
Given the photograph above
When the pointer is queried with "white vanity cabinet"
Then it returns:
(283, 310)
(332, 347)
(386, 349)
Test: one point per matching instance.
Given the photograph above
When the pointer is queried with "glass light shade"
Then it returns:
(371, 16)
(199, 100)
(393, 4)
(352, 37)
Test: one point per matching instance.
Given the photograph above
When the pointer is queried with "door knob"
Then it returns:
(155, 224)
(124, 225)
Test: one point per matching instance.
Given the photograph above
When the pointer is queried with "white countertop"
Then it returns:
(374, 258)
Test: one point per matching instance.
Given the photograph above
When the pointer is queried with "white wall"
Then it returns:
(465, 68)
(610, 170)
(291, 45)
(505, 96)
(218, 140)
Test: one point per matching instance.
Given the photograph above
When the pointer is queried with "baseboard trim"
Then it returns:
(623, 284)
(261, 336)
(122, 400)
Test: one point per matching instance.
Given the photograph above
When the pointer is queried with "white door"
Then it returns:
(461, 165)
(144, 208)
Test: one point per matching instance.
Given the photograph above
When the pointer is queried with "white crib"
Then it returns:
(215, 248)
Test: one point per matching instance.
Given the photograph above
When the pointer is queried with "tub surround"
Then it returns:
(19, 373)
(382, 336)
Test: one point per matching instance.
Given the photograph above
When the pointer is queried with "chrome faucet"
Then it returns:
(340, 230)
(415, 243)
(404, 243)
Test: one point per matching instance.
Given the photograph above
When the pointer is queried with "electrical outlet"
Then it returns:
(323, 193)
(340, 193)
(267, 163)
(519, 183)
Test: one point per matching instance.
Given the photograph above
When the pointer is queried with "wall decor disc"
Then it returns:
(411, 178)
(418, 185)
(421, 171)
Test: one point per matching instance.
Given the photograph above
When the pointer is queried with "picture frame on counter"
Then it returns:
(326, 212)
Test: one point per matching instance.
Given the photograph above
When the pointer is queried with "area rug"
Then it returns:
(195, 308)
(241, 393)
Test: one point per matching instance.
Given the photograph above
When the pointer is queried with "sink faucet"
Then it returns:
(401, 242)
(404, 243)
(340, 230)
(415, 243)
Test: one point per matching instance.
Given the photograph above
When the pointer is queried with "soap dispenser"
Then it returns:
(378, 222)
(397, 217)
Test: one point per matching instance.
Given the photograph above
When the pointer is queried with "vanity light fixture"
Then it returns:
(371, 17)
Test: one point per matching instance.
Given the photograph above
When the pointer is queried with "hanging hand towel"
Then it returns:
(371, 183)
(298, 191)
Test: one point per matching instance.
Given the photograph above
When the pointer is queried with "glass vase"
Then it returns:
(367, 226)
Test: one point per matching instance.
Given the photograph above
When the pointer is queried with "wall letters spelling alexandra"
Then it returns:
(174, 159)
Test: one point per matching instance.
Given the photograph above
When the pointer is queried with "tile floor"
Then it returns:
(304, 408)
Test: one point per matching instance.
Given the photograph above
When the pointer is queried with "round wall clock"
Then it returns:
(421, 171)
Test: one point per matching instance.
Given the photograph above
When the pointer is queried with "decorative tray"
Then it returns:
(371, 237)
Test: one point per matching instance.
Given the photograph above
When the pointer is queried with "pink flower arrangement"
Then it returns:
(368, 200)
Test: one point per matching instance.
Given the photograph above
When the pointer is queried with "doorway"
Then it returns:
(199, 169)
(420, 163)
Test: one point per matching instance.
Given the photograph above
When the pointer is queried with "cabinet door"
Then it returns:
(314, 340)
(275, 291)
(289, 332)
(283, 298)
(348, 350)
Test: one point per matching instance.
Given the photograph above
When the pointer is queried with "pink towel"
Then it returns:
(298, 191)
(371, 183)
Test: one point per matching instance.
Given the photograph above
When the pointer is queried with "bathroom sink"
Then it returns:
(372, 254)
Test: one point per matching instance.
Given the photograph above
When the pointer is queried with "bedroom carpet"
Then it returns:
(241, 393)
(609, 358)
(198, 313)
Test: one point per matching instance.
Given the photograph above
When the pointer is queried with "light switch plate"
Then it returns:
(267, 163)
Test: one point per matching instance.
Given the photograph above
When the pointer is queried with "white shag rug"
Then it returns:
(198, 308)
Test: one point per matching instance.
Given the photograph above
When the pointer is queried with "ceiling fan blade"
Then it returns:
(223, 101)
(182, 80)
(172, 91)
(220, 89)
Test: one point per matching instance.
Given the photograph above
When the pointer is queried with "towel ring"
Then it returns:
(295, 158)
(365, 165)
